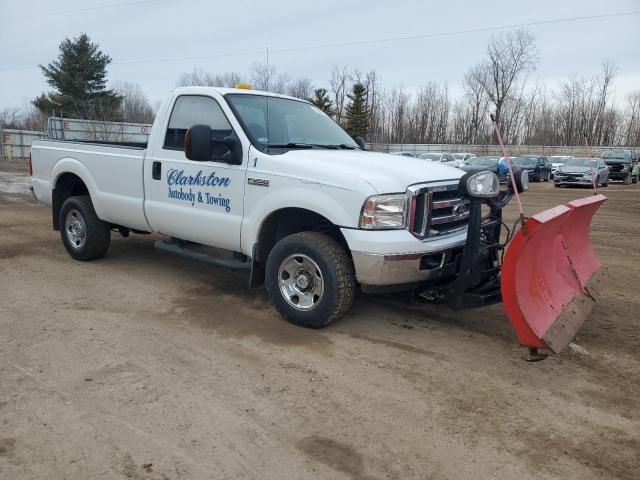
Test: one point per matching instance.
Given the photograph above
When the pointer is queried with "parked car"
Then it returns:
(449, 159)
(491, 164)
(441, 157)
(621, 163)
(404, 154)
(462, 157)
(538, 167)
(558, 161)
(433, 156)
(582, 171)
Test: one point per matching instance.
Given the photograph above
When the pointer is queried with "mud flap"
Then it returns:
(550, 276)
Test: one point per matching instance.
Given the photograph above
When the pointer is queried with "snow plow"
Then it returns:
(550, 276)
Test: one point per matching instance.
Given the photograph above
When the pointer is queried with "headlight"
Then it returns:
(587, 175)
(384, 211)
(481, 184)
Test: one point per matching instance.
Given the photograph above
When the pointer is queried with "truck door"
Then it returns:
(196, 201)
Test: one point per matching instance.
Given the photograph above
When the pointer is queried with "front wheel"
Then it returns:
(310, 279)
(627, 179)
(634, 179)
(547, 177)
(84, 235)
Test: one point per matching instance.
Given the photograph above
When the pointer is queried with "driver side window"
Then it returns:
(190, 110)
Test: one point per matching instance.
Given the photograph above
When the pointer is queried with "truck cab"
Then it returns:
(621, 163)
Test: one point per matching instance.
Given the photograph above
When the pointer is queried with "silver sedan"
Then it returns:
(582, 171)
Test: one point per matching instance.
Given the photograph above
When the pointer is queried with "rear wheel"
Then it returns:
(310, 279)
(84, 235)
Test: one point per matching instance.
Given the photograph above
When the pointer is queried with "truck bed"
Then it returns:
(112, 173)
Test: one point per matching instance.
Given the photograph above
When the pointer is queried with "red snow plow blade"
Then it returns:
(550, 275)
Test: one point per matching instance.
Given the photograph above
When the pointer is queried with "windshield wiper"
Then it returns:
(313, 145)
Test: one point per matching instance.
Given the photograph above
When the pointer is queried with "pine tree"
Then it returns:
(322, 101)
(357, 114)
(79, 77)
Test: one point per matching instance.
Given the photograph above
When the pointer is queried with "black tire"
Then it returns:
(627, 179)
(96, 233)
(547, 177)
(606, 184)
(336, 271)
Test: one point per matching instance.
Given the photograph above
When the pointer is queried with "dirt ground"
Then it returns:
(146, 366)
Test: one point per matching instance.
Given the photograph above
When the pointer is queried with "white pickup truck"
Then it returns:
(301, 205)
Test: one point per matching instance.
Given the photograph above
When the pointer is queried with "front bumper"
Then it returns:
(618, 175)
(397, 258)
(404, 270)
(573, 181)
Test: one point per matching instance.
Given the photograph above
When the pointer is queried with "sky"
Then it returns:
(152, 42)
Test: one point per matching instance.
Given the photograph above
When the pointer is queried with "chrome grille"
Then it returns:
(437, 209)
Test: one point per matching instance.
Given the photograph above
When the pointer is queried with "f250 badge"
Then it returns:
(258, 182)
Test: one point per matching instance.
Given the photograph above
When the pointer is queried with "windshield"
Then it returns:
(291, 122)
(483, 161)
(619, 154)
(559, 160)
(526, 161)
(579, 162)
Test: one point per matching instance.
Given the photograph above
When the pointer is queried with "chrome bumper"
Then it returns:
(580, 181)
(403, 268)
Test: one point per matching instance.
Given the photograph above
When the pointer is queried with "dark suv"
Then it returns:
(537, 166)
(621, 162)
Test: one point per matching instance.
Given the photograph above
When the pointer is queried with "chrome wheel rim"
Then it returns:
(301, 282)
(75, 228)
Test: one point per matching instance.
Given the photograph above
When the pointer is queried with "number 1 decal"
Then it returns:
(255, 162)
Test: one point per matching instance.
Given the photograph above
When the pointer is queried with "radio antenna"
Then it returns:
(268, 81)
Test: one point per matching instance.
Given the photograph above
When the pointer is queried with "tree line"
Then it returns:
(579, 109)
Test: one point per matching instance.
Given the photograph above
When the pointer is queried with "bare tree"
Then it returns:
(198, 77)
(478, 104)
(301, 87)
(339, 86)
(511, 56)
(135, 106)
(632, 120)
(11, 118)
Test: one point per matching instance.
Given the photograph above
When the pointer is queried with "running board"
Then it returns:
(177, 249)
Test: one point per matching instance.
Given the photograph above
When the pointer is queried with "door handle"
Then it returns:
(156, 170)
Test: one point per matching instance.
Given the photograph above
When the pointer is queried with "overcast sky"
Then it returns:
(146, 40)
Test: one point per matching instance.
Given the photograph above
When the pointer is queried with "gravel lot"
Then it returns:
(146, 366)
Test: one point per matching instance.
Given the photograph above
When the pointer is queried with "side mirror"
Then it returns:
(197, 143)
(201, 147)
(360, 141)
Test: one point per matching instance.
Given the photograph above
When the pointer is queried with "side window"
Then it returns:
(190, 110)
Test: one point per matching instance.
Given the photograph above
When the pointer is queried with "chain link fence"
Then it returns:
(491, 150)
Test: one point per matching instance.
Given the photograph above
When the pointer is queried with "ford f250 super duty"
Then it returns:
(300, 204)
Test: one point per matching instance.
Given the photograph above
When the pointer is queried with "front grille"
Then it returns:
(571, 177)
(437, 209)
(615, 167)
